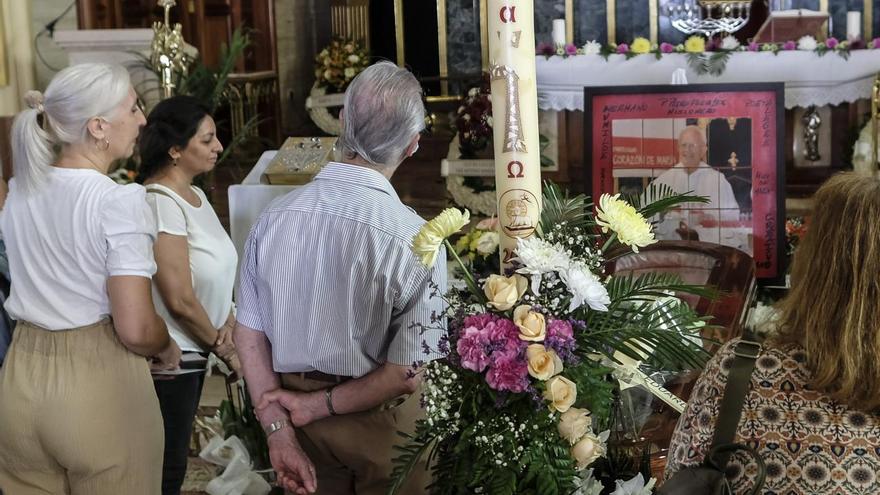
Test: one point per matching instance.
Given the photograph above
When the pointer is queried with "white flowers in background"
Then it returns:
(539, 257)
(807, 43)
(488, 243)
(585, 288)
(592, 48)
(729, 43)
(763, 320)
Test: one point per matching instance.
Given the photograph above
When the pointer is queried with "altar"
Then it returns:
(810, 79)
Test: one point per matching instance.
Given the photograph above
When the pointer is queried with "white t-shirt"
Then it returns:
(66, 239)
(212, 258)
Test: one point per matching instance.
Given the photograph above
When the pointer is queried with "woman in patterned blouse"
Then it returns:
(813, 409)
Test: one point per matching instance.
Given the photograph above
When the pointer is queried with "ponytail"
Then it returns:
(32, 150)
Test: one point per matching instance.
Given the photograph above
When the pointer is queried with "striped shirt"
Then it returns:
(329, 277)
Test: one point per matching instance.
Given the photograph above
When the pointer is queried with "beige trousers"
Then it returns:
(78, 415)
(352, 453)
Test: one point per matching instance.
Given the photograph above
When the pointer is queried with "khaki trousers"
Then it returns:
(78, 415)
(352, 453)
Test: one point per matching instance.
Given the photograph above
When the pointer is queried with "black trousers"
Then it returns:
(178, 399)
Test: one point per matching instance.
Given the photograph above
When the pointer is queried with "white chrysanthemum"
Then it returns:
(592, 48)
(807, 43)
(540, 257)
(729, 43)
(585, 288)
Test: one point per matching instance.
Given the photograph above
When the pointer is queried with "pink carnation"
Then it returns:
(472, 348)
(753, 47)
(875, 43)
(831, 43)
(570, 49)
(560, 329)
(789, 45)
(622, 48)
(510, 373)
(479, 321)
(545, 49)
(502, 331)
(667, 47)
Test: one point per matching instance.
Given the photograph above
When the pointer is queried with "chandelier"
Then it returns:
(709, 17)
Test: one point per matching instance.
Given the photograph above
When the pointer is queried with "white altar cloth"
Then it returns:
(809, 78)
(248, 199)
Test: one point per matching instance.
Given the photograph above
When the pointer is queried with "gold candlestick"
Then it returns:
(167, 56)
(515, 110)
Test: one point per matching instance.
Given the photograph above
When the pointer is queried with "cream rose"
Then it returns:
(503, 292)
(586, 450)
(543, 362)
(530, 323)
(574, 424)
(561, 393)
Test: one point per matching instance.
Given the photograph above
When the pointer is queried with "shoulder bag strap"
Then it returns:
(160, 192)
(745, 354)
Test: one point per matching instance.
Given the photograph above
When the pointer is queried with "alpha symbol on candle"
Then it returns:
(513, 133)
(515, 170)
(508, 14)
(514, 39)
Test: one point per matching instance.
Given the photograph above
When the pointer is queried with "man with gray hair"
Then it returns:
(334, 309)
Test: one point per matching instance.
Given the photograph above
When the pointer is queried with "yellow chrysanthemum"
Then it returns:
(630, 226)
(695, 44)
(426, 244)
(640, 45)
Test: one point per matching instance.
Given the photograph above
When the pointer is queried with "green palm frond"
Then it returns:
(659, 198)
(649, 286)
(410, 453)
(558, 207)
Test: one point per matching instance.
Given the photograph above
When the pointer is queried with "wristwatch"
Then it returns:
(276, 425)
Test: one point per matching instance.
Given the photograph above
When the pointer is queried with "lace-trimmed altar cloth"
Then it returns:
(809, 78)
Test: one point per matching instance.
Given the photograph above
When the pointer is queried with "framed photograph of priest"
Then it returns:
(724, 146)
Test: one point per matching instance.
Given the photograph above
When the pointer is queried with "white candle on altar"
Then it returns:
(515, 112)
(853, 25)
(558, 32)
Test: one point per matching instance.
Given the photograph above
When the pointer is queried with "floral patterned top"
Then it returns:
(809, 443)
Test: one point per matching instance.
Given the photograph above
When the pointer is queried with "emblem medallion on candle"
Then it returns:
(515, 98)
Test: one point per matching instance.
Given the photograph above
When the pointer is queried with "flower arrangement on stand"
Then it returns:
(478, 248)
(338, 63)
(521, 403)
(473, 121)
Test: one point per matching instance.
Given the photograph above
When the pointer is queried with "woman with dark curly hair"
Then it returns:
(196, 262)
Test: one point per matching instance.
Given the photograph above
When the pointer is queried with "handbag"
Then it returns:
(708, 478)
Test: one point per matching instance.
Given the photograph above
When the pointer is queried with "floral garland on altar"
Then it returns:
(706, 57)
(522, 402)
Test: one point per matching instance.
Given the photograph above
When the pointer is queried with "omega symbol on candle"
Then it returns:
(513, 133)
(515, 170)
(508, 14)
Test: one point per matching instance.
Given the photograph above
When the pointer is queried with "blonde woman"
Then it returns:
(813, 409)
(77, 409)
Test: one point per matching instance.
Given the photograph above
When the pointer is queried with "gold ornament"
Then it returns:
(167, 55)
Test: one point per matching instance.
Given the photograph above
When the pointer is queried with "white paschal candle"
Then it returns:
(515, 114)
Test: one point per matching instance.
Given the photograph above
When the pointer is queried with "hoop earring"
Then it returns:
(106, 144)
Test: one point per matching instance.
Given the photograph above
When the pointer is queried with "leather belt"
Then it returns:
(322, 377)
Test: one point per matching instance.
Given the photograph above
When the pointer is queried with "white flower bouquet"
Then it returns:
(522, 401)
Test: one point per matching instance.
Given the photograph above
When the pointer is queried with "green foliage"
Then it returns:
(209, 84)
